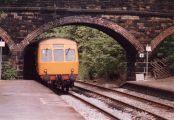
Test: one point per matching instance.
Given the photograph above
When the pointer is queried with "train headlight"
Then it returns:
(72, 70)
(45, 71)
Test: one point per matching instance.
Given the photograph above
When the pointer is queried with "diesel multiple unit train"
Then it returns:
(57, 62)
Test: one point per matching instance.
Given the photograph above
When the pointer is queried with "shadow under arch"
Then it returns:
(125, 38)
(7, 39)
(157, 40)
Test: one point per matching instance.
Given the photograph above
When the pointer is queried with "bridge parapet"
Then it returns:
(123, 5)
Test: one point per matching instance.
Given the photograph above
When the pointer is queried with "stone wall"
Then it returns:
(119, 5)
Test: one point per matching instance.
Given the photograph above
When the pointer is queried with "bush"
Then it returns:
(8, 72)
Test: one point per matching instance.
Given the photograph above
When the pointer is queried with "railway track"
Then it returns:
(160, 110)
(105, 112)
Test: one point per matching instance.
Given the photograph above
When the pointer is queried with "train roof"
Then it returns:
(57, 41)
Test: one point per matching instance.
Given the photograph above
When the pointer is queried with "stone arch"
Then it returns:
(83, 20)
(7, 38)
(157, 40)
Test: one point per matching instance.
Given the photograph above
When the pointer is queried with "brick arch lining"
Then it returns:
(7, 39)
(161, 37)
(86, 20)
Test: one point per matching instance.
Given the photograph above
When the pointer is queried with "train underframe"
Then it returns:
(61, 82)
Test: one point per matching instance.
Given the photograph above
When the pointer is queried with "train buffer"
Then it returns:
(29, 100)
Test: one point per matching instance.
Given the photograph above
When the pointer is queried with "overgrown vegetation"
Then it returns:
(8, 72)
(100, 55)
(165, 50)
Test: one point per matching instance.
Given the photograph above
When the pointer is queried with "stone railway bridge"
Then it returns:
(133, 23)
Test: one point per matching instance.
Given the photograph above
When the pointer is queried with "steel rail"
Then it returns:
(168, 107)
(128, 95)
(108, 114)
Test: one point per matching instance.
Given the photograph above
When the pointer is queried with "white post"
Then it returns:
(2, 44)
(148, 49)
(0, 61)
(147, 57)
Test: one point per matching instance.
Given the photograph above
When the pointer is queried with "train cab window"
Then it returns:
(58, 55)
(46, 55)
(70, 54)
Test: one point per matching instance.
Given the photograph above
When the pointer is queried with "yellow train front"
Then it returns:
(57, 62)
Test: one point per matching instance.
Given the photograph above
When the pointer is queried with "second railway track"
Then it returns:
(155, 108)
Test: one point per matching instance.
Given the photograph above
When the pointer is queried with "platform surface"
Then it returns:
(29, 100)
(163, 84)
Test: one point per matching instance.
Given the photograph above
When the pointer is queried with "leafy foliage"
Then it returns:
(165, 50)
(8, 72)
(100, 55)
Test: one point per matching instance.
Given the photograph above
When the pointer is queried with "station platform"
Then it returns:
(164, 87)
(30, 100)
(163, 84)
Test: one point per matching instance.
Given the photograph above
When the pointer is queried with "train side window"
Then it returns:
(46, 55)
(70, 55)
(58, 55)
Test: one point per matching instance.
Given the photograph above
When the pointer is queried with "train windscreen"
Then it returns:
(70, 55)
(46, 55)
(58, 55)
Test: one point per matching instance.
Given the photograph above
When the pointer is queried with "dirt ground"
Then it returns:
(106, 83)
